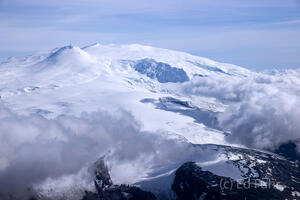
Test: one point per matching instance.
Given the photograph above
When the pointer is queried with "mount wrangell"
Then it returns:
(116, 122)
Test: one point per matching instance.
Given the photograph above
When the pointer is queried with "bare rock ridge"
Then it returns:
(105, 190)
(191, 181)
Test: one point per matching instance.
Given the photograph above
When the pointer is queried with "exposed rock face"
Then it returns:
(192, 182)
(107, 191)
(261, 175)
(163, 72)
(101, 172)
(289, 151)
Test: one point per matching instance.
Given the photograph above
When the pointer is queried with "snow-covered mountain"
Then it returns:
(70, 80)
(178, 108)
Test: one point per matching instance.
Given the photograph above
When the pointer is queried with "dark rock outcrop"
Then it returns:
(105, 190)
(192, 182)
(163, 72)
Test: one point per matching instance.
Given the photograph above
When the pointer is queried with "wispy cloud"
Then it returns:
(213, 25)
(297, 21)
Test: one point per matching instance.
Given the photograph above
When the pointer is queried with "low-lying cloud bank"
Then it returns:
(39, 153)
(263, 110)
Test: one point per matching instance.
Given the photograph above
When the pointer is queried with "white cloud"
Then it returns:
(296, 21)
(40, 153)
(263, 110)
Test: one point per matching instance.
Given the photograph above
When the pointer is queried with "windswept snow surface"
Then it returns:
(184, 98)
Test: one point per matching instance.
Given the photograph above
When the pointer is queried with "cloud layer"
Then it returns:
(263, 110)
(39, 154)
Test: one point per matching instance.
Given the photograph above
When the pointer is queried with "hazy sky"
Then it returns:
(258, 34)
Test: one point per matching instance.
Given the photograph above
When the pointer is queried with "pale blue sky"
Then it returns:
(258, 34)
